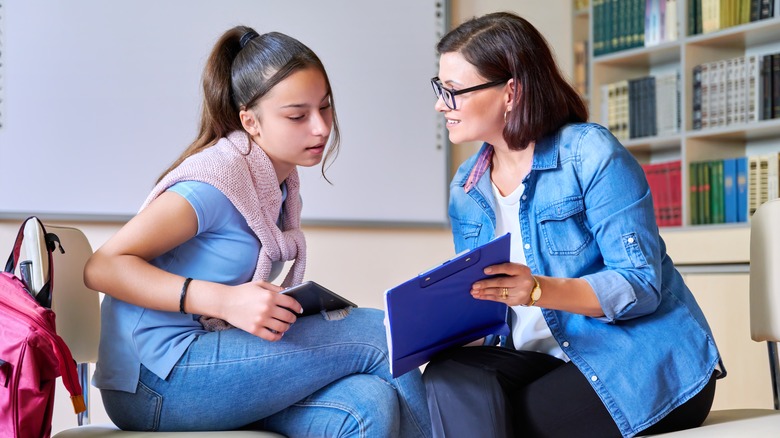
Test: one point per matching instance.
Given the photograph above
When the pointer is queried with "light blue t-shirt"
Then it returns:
(224, 250)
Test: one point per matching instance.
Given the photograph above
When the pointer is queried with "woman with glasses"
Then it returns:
(194, 334)
(606, 339)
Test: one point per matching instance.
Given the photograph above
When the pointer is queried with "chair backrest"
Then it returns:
(76, 307)
(765, 272)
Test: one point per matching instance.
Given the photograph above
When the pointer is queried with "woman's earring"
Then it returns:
(505, 113)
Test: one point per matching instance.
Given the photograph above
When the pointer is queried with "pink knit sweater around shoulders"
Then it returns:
(241, 170)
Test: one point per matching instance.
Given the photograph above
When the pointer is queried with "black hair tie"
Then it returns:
(247, 37)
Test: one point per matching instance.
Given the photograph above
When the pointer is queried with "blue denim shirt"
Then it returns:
(587, 213)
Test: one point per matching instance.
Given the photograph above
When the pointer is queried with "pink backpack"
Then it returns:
(32, 355)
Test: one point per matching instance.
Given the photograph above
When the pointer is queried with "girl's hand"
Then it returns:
(258, 308)
(512, 288)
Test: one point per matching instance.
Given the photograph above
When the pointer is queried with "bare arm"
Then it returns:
(121, 268)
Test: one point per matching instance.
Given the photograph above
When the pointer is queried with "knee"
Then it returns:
(376, 405)
(438, 372)
(361, 404)
(448, 376)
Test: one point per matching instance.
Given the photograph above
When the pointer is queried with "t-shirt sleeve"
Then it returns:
(207, 201)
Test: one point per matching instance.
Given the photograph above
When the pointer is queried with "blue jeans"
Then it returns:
(324, 378)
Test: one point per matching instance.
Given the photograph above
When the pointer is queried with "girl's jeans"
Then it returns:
(323, 378)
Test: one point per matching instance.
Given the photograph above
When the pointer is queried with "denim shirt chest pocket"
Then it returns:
(562, 224)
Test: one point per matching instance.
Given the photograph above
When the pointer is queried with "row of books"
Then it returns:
(706, 16)
(763, 180)
(731, 190)
(665, 183)
(643, 106)
(625, 24)
(718, 191)
(738, 90)
(721, 191)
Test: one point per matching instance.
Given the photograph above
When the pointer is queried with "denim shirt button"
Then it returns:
(527, 246)
(594, 378)
(565, 344)
(630, 240)
(525, 197)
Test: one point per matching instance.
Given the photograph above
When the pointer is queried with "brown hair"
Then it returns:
(501, 46)
(242, 68)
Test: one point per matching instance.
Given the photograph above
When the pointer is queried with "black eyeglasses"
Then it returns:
(448, 94)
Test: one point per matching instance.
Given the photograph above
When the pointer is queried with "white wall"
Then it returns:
(361, 263)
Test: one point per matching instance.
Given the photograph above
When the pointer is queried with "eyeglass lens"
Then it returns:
(443, 93)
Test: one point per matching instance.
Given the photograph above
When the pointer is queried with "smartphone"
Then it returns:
(314, 298)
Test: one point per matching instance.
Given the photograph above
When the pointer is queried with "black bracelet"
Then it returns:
(184, 294)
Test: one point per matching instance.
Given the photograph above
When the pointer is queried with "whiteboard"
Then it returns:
(99, 97)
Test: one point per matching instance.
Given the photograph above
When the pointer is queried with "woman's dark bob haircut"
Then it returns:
(503, 45)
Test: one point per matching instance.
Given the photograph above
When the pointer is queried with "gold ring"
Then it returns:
(504, 293)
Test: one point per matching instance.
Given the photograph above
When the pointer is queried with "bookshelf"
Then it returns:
(677, 52)
(713, 258)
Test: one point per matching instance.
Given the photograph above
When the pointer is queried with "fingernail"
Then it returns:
(488, 270)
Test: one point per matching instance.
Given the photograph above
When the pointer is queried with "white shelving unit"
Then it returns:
(714, 259)
(759, 37)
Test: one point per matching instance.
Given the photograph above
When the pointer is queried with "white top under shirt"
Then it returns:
(529, 329)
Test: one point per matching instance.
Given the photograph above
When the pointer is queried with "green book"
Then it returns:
(717, 205)
(704, 193)
(693, 190)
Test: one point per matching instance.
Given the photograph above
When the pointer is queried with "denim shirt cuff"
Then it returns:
(614, 292)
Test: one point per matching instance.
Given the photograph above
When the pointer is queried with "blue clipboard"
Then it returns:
(435, 310)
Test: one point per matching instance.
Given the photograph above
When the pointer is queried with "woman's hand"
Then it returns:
(258, 308)
(512, 288)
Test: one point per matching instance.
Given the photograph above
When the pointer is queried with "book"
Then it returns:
(753, 94)
(772, 177)
(776, 85)
(671, 26)
(435, 310)
(716, 192)
(766, 87)
(650, 105)
(623, 109)
(766, 9)
(705, 210)
(674, 173)
(705, 95)
(730, 202)
(753, 186)
(697, 97)
(666, 109)
(652, 23)
(693, 193)
(694, 17)
(742, 189)
(612, 109)
(755, 8)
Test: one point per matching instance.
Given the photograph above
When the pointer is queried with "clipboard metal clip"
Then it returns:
(449, 268)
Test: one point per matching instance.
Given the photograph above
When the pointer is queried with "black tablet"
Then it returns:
(314, 298)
